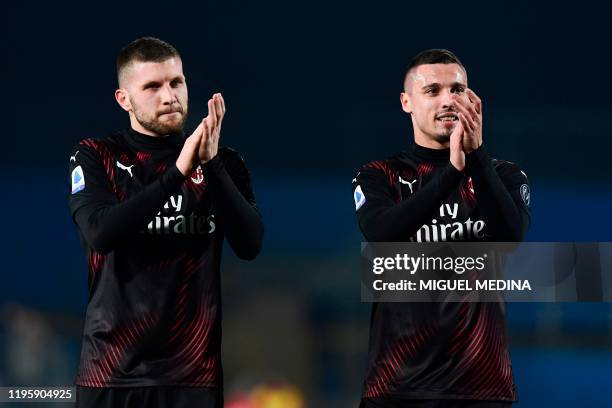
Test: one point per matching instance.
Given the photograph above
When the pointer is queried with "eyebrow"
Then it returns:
(157, 83)
(150, 84)
(438, 85)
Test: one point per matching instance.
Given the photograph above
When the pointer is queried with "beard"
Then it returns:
(443, 137)
(153, 124)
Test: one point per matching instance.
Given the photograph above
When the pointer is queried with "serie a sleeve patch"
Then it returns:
(359, 198)
(77, 179)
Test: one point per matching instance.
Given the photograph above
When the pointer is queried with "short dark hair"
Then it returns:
(145, 49)
(431, 56)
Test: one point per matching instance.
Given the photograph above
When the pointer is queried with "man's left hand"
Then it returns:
(469, 106)
(209, 146)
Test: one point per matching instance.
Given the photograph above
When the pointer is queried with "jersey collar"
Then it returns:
(426, 154)
(142, 141)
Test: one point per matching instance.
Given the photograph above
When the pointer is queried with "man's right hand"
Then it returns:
(189, 153)
(457, 155)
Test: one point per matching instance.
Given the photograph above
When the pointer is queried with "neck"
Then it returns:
(427, 141)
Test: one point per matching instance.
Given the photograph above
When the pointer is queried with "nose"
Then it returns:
(448, 100)
(167, 95)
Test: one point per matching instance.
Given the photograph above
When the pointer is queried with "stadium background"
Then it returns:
(312, 92)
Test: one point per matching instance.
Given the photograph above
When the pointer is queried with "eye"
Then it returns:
(459, 89)
(175, 83)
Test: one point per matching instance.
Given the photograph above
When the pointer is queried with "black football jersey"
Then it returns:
(153, 244)
(447, 350)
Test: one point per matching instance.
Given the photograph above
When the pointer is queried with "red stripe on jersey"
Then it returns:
(143, 156)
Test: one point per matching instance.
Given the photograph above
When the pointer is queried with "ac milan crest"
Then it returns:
(197, 176)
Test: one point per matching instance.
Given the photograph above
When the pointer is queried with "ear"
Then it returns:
(406, 102)
(122, 98)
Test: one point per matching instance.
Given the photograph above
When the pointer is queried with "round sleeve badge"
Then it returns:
(526, 194)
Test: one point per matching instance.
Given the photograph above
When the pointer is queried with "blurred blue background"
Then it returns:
(313, 92)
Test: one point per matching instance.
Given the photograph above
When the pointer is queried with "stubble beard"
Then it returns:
(443, 138)
(153, 124)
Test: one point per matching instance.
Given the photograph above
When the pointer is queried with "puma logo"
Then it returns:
(126, 168)
(73, 158)
(410, 183)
